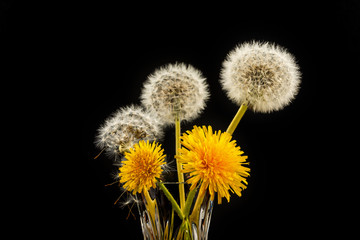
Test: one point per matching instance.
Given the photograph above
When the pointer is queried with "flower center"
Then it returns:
(209, 165)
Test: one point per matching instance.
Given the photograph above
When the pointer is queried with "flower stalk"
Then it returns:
(189, 201)
(183, 215)
(172, 200)
(194, 217)
(178, 164)
(150, 205)
(234, 123)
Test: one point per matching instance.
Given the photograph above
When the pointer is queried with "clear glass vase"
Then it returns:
(160, 222)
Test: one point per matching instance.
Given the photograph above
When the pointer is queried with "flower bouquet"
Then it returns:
(262, 77)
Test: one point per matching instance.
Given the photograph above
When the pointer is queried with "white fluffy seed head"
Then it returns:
(262, 75)
(126, 127)
(175, 89)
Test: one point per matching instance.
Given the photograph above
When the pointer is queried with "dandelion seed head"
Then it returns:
(126, 127)
(262, 75)
(175, 89)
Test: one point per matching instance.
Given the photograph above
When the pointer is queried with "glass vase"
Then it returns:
(159, 221)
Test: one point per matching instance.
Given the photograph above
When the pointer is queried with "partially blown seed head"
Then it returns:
(126, 127)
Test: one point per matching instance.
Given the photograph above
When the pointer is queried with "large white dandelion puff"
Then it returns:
(126, 127)
(175, 90)
(263, 76)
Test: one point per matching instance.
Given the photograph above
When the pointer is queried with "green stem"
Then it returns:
(178, 164)
(189, 201)
(172, 200)
(234, 123)
(194, 217)
(171, 224)
(185, 229)
(188, 235)
(150, 205)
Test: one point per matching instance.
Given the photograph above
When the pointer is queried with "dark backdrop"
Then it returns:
(100, 53)
(121, 45)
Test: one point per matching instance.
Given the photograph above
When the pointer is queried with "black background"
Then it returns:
(95, 56)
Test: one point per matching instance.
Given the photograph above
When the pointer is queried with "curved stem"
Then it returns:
(172, 200)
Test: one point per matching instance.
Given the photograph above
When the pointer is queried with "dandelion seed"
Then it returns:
(130, 199)
(126, 127)
(175, 89)
(262, 75)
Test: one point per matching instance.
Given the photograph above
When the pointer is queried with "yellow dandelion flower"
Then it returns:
(214, 161)
(142, 166)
